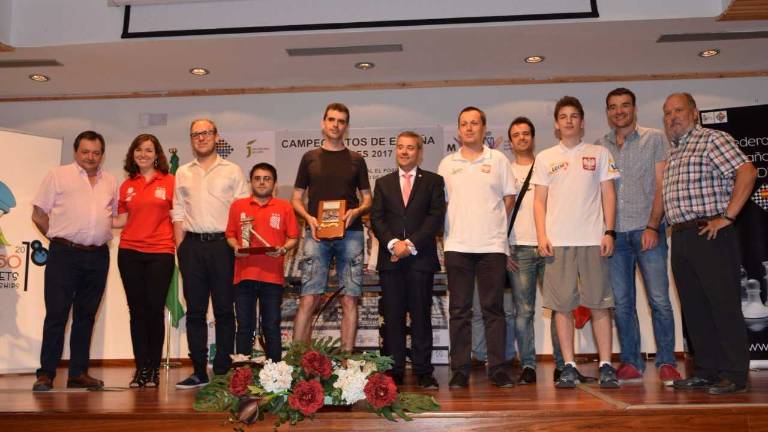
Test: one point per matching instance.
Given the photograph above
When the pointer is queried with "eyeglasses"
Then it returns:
(205, 133)
(265, 179)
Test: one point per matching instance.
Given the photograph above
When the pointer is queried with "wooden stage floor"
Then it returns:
(646, 405)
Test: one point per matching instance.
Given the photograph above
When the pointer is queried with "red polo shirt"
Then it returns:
(275, 222)
(148, 204)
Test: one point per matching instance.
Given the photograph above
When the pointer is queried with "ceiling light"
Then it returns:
(709, 53)
(534, 59)
(365, 65)
(39, 77)
(199, 71)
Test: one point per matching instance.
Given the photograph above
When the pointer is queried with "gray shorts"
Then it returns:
(576, 275)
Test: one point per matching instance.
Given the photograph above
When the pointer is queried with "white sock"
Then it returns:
(570, 363)
(604, 363)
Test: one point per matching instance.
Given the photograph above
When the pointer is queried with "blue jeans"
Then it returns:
(270, 298)
(520, 310)
(653, 269)
(349, 264)
(479, 350)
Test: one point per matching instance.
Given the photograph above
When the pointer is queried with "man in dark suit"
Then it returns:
(407, 212)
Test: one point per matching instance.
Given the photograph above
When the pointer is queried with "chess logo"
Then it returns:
(223, 148)
(274, 220)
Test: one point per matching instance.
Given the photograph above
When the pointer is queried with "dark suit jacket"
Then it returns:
(419, 221)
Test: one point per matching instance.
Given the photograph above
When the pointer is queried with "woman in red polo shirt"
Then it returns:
(146, 254)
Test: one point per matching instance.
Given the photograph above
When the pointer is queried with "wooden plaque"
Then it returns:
(258, 250)
(330, 219)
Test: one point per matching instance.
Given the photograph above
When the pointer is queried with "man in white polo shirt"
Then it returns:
(480, 190)
(574, 210)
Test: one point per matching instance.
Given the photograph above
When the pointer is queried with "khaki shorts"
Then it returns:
(576, 275)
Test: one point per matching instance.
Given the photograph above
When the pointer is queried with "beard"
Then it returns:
(266, 194)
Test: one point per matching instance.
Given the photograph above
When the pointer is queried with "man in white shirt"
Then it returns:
(204, 190)
(574, 210)
(480, 191)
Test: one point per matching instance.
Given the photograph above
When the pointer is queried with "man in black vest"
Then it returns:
(407, 212)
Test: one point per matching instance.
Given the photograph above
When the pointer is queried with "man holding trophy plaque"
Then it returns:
(332, 175)
(261, 229)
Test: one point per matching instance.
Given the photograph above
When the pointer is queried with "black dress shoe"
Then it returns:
(84, 381)
(459, 380)
(727, 387)
(43, 383)
(693, 383)
(528, 376)
(428, 382)
(502, 380)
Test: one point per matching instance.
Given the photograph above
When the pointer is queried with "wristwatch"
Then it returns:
(728, 218)
(282, 251)
(611, 233)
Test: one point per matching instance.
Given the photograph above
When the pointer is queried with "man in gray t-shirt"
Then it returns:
(640, 155)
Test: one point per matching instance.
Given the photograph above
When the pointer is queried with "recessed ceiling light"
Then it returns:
(534, 59)
(199, 71)
(364, 65)
(39, 77)
(709, 53)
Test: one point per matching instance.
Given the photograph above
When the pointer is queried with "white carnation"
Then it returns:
(275, 377)
(352, 383)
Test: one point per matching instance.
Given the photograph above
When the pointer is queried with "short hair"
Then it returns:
(215, 129)
(569, 101)
(130, 164)
(521, 120)
(621, 91)
(263, 166)
(471, 108)
(90, 136)
(414, 135)
(336, 106)
(688, 98)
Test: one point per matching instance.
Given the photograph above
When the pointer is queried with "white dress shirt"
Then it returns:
(201, 198)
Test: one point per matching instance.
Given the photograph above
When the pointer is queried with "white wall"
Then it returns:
(118, 120)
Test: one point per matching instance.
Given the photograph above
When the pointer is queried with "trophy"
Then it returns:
(246, 244)
(330, 218)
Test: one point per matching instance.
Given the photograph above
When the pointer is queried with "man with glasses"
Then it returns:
(205, 188)
(260, 221)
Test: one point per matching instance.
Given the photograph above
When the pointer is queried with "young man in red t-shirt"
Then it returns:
(264, 221)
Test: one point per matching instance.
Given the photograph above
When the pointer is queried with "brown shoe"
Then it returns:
(43, 383)
(84, 381)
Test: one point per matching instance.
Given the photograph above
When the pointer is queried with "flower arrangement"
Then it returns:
(308, 378)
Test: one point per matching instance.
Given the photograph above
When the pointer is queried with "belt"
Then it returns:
(691, 224)
(205, 237)
(65, 242)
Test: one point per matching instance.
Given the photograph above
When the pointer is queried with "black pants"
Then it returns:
(270, 297)
(490, 271)
(207, 269)
(146, 278)
(706, 273)
(74, 279)
(407, 291)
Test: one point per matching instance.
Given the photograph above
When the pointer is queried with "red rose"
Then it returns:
(306, 397)
(315, 363)
(380, 390)
(241, 379)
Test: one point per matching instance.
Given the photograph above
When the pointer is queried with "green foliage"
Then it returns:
(216, 396)
(416, 403)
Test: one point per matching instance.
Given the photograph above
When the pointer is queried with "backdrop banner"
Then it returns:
(749, 128)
